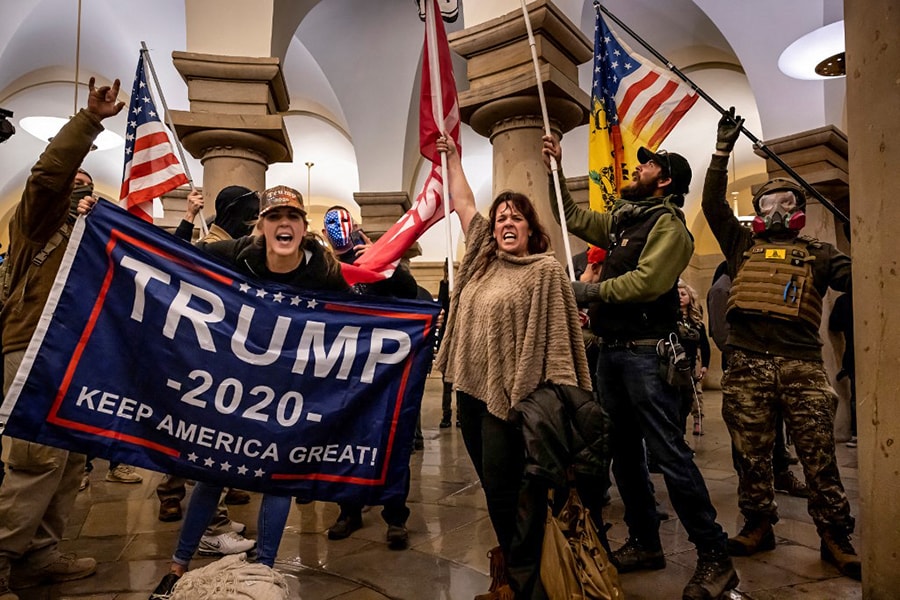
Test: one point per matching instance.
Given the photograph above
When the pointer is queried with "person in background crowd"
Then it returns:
(285, 254)
(41, 482)
(692, 333)
(648, 247)
(447, 387)
(349, 242)
(841, 321)
(775, 310)
(513, 326)
(237, 211)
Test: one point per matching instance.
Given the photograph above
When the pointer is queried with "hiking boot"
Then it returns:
(445, 421)
(164, 590)
(837, 550)
(170, 510)
(344, 526)
(787, 483)
(62, 567)
(714, 576)
(757, 535)
(236, 497)
(123, 474)
(85, 482)
(636, 555)
(225, 543)
(500, 589)
(397, 537)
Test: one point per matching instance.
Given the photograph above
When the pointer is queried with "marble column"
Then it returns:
(873, 95)
(233, 126)
(380, 210)
(502, 100)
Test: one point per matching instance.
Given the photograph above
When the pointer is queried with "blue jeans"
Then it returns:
(645, 410)
(273, 514)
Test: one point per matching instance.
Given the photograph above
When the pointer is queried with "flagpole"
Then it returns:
(434, 72)
(554, 167)
(146, 54)
(756, 141)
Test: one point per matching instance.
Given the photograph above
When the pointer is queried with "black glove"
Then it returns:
(586, 292)
(729, 130)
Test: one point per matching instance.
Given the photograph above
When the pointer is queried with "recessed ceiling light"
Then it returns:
(801, 59)
(45, 128)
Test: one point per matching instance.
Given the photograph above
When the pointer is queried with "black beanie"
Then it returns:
(236, 209)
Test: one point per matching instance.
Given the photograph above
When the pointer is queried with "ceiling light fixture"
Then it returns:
(45, 128)
(817, 55)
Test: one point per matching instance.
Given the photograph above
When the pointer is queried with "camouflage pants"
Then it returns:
(753, 389)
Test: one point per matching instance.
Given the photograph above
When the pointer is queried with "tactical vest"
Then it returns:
(633, 320)
(777, 280)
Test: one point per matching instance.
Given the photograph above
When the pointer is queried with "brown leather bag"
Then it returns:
(574, 565)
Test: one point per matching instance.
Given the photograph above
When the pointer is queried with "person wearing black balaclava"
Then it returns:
(237, 209)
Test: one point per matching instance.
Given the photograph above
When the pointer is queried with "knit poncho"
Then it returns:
(512, 327)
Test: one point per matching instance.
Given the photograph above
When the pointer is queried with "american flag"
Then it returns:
(427, 209)
(151, 168)
(634, 103)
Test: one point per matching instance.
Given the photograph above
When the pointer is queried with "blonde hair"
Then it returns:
(694, 308)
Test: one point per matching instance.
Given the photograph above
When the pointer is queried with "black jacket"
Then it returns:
(563, 426)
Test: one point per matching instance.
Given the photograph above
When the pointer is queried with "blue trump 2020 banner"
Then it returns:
(152, 353)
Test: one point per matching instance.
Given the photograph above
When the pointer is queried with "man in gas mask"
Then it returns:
(775, 364)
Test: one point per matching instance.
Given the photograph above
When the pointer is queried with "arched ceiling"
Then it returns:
(352, 75)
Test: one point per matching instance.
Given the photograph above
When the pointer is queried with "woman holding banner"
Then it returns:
(284, 253)
(513, 326)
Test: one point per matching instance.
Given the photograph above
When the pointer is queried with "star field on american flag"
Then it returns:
(151, 168)
(614, 65)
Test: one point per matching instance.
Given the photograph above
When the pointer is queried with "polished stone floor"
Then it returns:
(449, 535)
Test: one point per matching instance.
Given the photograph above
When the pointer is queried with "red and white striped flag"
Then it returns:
(634, 103)
(427, 209)
(151, 168)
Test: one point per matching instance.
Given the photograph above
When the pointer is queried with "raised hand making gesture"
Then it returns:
(102, 101)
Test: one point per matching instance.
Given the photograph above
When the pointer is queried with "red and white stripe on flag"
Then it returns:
(151, 167)
(427, 209)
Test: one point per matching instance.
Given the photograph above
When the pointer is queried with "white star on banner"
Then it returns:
(295, 301)
(261, 293)
(192, 457)
(259, 473)
(244, 288)
(278, 297)
(242, 470)
(209, 462)
(226, 466)
(311, 304)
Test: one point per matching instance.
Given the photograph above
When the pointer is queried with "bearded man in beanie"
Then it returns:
(41, 482)
(648, 246)
(774, 311)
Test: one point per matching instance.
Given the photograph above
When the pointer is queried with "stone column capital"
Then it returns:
(380, 210)
(235, 101)
(500, 68)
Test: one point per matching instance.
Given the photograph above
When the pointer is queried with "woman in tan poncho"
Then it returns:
(513, 325)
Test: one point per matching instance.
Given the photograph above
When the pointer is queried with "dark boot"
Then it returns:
(500, 589)
(445, 420)
(757, 535)
(837, 550)
(714, 576)
(345, 525)
(786, 482)
(638, 555)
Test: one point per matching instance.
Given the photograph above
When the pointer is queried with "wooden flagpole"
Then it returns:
(554, 168)
(436, 91)
(145, 52)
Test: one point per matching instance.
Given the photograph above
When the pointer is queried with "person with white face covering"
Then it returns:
(774, 311)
